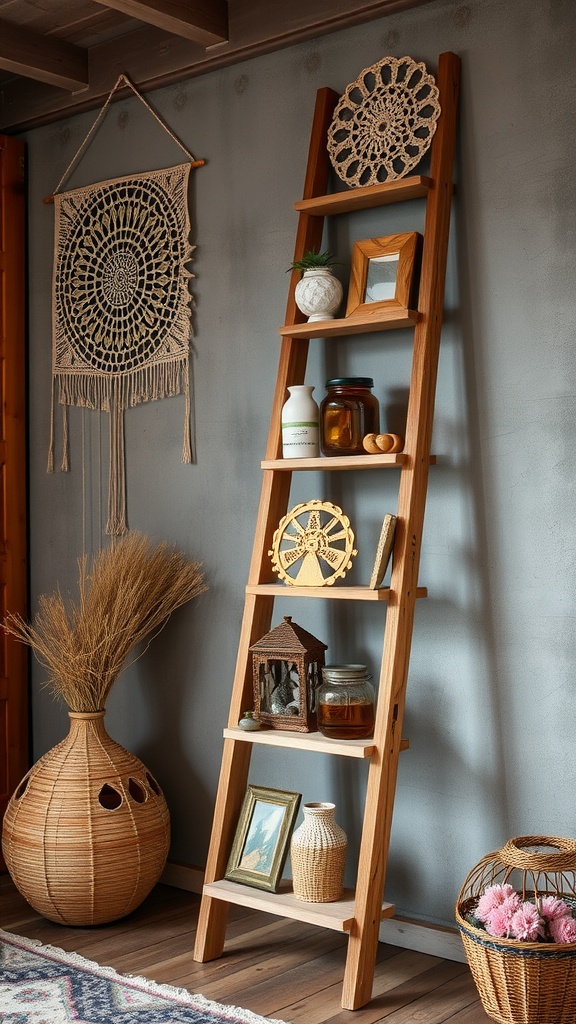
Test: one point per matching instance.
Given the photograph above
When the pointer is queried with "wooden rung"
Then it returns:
(384, 320)
(366, 197)
(327, 593)
(313, 741)
(338, 462)
(341, 462)
(304, 741)
(339, 916)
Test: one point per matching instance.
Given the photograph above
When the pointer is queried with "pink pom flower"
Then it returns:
(526, 923)
(563, 929)
(503, 914)
(499, 920)
(552, 907)
(491, 898)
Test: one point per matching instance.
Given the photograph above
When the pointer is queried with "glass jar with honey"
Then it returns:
(345, 706)
(348, 412)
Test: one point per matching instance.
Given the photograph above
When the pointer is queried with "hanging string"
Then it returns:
(65, 464)
(117, 480)
(84, 501)
(187, 443)
(50, 465)
(122, 80)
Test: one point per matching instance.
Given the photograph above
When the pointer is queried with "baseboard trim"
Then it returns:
(423, 938)
(183, 876)
(396, 931)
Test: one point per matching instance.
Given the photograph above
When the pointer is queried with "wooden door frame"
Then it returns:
(14, 681)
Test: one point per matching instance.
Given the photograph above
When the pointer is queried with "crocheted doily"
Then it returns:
(121, 288)
(384, 122)
(121, 306)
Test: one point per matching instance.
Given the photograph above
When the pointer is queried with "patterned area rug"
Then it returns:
(44, 985)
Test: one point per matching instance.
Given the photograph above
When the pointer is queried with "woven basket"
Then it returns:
(522, 982)
(86, 834)
(318, 855)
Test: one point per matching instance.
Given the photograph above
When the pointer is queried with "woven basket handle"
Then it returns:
(563, 857)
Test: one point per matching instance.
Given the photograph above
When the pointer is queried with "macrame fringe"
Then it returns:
(145, 384)
(116, 524)
(65, 463)
(115, 395)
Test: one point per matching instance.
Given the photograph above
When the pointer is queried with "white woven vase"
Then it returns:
(318, 854)
(318, 293)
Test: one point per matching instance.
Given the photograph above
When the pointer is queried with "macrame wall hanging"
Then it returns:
(121, 301)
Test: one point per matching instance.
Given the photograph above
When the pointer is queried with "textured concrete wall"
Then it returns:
(491, 697)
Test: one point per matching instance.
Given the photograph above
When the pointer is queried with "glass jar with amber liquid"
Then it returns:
(346, 702)
(348, 412)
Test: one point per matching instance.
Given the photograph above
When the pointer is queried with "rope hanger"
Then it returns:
(123, 79)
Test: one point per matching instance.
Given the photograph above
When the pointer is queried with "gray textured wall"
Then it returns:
(491, 698)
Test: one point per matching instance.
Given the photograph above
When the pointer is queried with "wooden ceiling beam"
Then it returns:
(202, 21)
(43, 58)
(154, 58)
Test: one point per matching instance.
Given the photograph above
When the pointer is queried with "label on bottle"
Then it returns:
(300, 440)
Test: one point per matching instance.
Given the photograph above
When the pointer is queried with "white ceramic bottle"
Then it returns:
(300, 424)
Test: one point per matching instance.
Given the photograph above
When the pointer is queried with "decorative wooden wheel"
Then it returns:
(313, 545)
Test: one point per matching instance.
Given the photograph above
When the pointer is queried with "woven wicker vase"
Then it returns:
(318, 854)
(523, 982)
(86, 834)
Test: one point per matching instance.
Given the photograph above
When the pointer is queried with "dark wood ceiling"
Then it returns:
(58, 57)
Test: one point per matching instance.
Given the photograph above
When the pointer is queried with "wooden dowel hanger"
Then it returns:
(123, 79)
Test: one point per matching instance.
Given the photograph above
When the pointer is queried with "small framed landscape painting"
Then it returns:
(262, 838)
(384, 274)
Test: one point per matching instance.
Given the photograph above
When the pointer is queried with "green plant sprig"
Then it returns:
(310, 260)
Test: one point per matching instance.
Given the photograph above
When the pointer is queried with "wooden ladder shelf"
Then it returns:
(359, 913)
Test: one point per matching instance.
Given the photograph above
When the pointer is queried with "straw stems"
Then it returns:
(125, 596)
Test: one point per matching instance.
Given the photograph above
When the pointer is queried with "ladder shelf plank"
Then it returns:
(313, 741)
(366, 197)
(380, 320)
(328, 593)
(339, 462)
(339, 916)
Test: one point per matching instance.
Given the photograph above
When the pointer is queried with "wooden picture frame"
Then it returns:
(262, 838)
(384, 274)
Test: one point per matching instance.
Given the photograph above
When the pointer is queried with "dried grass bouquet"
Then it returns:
(125, 596)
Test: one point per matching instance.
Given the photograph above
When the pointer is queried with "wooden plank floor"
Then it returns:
(272, 966)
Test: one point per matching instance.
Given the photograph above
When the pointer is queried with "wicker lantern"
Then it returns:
(286, 666)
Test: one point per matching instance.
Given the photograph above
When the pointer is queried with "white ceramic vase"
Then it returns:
(318, 293)
(300, 424)
(318, 854)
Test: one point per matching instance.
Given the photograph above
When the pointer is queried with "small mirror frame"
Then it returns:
(407, 246)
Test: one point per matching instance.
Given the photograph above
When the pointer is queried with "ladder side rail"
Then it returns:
(382, 773)
(234, 768)
(257, 616)
(294, 354)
